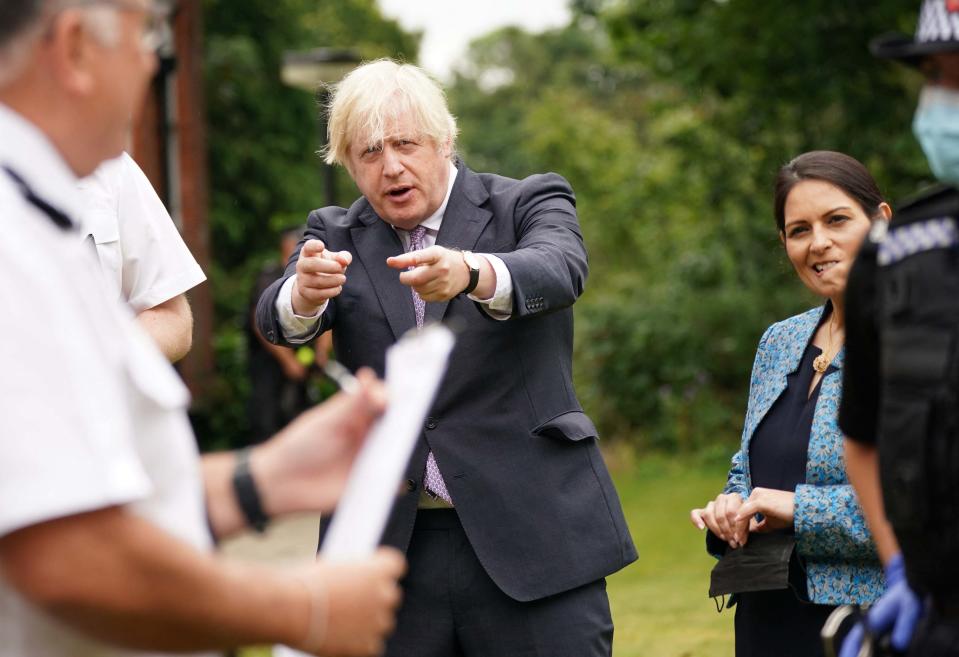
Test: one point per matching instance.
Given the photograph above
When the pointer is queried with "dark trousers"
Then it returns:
(778, 624)
(451, 608)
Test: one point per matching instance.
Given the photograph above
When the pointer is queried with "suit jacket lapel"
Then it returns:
(463, 223)
(375, 241)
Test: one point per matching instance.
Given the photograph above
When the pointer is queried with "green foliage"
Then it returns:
(264, 171)
(670, 119)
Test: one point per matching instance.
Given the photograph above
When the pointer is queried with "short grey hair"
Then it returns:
(364, 106)
(23, 21)
(104, 23)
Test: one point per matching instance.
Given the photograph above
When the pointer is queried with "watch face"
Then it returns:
(473, 263)
(471, 260)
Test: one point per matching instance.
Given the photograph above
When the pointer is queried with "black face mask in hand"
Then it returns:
(762, 564)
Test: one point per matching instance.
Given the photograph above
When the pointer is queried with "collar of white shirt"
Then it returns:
(435, 220)
(30, 154)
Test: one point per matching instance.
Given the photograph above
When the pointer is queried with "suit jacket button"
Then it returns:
(430, 423)
(411, 485)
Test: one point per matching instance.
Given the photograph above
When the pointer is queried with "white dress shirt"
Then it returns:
(298, 328)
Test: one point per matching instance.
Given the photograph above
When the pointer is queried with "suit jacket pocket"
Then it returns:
(573, 425)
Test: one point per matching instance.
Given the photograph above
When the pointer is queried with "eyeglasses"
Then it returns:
(156, 35)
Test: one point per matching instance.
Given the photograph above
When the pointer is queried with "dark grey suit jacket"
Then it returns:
(517, 452)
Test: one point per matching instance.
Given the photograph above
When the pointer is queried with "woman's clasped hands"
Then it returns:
(732, 519)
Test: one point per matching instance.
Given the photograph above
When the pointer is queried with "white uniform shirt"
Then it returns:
(298, 328)
(141, 252)
(91, 415)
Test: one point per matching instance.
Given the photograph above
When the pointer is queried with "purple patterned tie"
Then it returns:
(434, 480)
(417, 244)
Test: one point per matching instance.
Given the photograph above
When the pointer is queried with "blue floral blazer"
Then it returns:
(832, 538)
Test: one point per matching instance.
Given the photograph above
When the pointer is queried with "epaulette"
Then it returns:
(904, 240)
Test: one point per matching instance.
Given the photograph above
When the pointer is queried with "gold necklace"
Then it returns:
(821, 362)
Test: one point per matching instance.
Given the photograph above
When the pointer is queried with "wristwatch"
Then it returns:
(247, 495)
(473, 263)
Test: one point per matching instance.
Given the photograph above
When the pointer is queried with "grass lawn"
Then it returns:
(659, 603)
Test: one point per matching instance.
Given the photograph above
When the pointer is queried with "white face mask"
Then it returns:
(936, 126)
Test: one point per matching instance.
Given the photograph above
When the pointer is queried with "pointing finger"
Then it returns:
(399, 262)
(404, 261)
(312, 248)
(414, 258)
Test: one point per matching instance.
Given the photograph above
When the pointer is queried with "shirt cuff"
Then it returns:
(297, 329)
(500, 305)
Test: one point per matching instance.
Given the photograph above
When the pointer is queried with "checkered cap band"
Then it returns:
(911, 239)
(938, 21)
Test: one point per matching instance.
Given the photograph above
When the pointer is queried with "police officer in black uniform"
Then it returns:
(900, 407)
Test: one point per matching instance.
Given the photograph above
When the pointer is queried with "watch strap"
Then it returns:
(247, 495)
(474, 272)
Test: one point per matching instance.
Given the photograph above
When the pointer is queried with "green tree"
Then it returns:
(670, 119)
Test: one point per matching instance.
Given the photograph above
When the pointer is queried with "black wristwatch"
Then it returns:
(472, 261)
(247, 496)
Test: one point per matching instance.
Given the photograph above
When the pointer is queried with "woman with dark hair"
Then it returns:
(792, 539)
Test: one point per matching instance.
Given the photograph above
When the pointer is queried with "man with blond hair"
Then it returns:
(107, 515)
(509, 519)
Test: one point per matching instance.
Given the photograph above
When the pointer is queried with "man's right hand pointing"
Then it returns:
(320, 275)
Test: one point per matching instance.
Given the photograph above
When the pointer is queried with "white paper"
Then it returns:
(414, 367)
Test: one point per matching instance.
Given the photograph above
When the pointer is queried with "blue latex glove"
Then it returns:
(899, 610)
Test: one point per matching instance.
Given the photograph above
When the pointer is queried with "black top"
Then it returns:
(859, 408)
(777, 451)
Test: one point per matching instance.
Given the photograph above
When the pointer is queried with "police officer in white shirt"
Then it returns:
(106, 511)
(143, 256)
